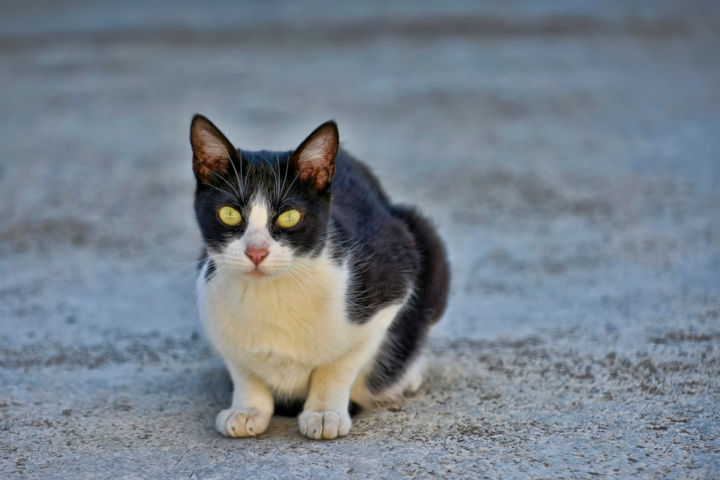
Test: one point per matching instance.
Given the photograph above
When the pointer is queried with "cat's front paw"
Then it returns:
(324, 425)
(236, 423)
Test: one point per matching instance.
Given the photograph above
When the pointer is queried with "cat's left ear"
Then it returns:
(212, 152)
(314, 159)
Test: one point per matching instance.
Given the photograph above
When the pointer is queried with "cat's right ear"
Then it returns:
(212, 152)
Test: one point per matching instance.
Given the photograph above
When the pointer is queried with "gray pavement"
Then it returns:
(569, 153)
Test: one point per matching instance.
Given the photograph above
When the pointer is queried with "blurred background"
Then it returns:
(568, 151)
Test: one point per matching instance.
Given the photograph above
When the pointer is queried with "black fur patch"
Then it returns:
(292, 408)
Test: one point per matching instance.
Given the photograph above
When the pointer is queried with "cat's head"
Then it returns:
(261, 213)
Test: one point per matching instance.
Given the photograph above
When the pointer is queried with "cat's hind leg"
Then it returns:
(405, 386)
(400, 357)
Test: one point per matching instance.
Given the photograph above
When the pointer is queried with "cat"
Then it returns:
(313, 286)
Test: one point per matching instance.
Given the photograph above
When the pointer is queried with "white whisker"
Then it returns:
(222, 191)
(237, 177)
(227, 183)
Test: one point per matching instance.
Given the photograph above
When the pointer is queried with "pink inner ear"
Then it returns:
(315, 158)
(321, 174)
(210, 154)
(212, 150)
(208, 146)
(318, 151)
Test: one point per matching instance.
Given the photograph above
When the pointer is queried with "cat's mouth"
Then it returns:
(257, 273)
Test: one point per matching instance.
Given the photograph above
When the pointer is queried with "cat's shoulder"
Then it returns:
(361, 210)
(354, 182)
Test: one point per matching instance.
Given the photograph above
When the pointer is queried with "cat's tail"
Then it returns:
(433, 282)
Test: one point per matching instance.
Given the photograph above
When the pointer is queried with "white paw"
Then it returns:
(241, 422)
(324, 425)
(413, 385)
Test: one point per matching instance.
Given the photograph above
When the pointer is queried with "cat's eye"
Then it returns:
(229, 216)
(288, 218)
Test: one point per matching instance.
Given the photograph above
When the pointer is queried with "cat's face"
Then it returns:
(261, 213)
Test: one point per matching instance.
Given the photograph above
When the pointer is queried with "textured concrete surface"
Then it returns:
(568, 151)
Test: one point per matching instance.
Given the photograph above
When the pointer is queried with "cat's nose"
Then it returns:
(256, 255)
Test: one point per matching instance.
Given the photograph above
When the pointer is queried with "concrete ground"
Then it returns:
(568, 151)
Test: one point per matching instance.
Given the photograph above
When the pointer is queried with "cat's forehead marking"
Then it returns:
(258, 217)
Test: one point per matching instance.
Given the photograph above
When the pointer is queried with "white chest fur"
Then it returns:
(281, 329)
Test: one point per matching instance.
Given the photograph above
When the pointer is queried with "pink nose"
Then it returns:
(256, 255)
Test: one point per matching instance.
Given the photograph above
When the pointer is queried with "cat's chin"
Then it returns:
(257, 274)
(260, 276)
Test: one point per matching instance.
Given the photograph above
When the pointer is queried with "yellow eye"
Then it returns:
(229, 216)
(288, 218)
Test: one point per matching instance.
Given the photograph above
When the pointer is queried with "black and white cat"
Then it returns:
(313, 287)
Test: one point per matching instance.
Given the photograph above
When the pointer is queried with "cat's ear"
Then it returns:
(212, 152)
(314, 159)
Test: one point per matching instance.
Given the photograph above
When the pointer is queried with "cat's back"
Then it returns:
(361, 210)
(355, 187)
